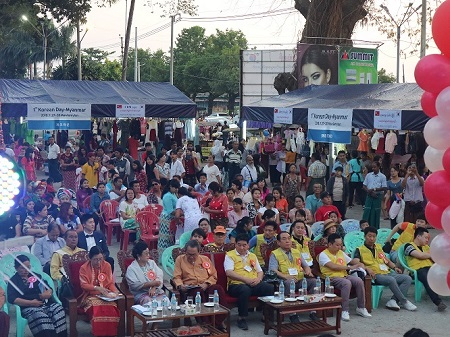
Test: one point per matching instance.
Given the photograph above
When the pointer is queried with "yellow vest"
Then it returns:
(239, 266)
(406, 236)
(259, 241)
(374, 262)
(415, 263)
(339, 258)
(284, 264)
(304, 249)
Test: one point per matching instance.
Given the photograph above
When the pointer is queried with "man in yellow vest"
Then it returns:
(244, 277)
(269, 236)
(335, 264)
(418, 257)
(289, 264)
(383, 271)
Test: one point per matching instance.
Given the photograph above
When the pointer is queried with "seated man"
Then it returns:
(47, 245)
(288, 263)
(89, 238)
(407, 234)
(327, 207)
(244, 277)
(418, 257)
(377, 266)
(269, 236)
(56, 266)
(335, 264)
(219, 238)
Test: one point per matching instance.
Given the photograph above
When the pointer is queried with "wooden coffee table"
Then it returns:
(289, 308)
(205, 312)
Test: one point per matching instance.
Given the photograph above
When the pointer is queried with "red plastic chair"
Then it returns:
(154, 208)
(108, 211)
(149, 224)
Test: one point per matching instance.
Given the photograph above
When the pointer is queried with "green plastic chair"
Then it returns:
(383, 233)
(377, 291)
(7, 263)
(418, 286)
(352, 241)
(167, 261)
(318, 237)
(5, 306)
(184, 238)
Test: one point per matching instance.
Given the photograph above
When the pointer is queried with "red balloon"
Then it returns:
(441, 26)
(428, 102)
(436, 188)
(431, 73)
(446, 160)
(448, 279)
(433, 214)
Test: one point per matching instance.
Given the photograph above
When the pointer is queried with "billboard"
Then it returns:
(358, 65)
(318, 64)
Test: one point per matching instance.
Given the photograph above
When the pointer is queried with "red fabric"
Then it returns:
(133, 147)
(104, 319)
(218, 204)
(322, 212)
(74, 269)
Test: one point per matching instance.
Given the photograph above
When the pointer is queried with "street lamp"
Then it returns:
(44, 37)
(405, 18)
(173, 19)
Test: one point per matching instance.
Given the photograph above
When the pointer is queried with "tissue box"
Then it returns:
(189, 310)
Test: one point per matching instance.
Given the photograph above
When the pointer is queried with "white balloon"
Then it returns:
(437, 133)
(440, 250)
(443, 103)
(437, 279)
(433, 159)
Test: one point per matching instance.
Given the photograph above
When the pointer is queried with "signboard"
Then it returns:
(330, 125)
(317, 64)
(358, 65)
(387, 119)
(53, 116)
(282, 115)
(130, 110)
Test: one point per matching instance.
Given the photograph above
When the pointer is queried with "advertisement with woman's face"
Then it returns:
(317, 65)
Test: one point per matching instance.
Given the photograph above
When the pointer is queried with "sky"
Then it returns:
(274, 24)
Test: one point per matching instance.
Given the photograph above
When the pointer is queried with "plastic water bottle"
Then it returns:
(173, 305)
(216, 300)
(327, 284)
(292, 289)
(304, 286)
(165, 306)
(198, 302)
(281, 290)
(154, 307)
(319, 284)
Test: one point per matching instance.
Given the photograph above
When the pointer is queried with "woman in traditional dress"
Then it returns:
(96, 279)
(140, 175)
(165, 238)
(144, 277)
(68, 167)
(83, 192)
(28, 165)
(46, 318)
(217, 207)
(128, 209)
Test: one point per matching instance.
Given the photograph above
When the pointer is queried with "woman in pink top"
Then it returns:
(28, 165)
(238, 212)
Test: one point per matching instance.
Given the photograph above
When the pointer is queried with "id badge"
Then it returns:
(248, 268)
(306, 256)
(293, 271)
(384, 267)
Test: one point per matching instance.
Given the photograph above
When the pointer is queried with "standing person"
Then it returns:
(218, 152)
(165, 238)
(274, 175)
(255, 205)
(245, 277)
(190, 164)
(212, 171)
(356, 169)
(316, 173)
(234, 157)
(375, 185)
(96, 278)
(149, 167)
(292, 185)
(335, 264)
(342, 163)
(394, 186)
(140, 175)
(188, 205)
(176, 166)
(413, 194)
(202, 186)
(68, 167)
(122, 165)
(281, 163)
(90, 170)
(52, 158)
(162, 169)
(337, 187)
(249, 172)
(218, 206)
(281, 204)
(154, 195)
(28, 165)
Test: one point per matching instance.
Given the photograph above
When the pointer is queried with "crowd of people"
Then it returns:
(226, 204)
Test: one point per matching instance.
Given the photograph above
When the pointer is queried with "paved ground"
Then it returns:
(384, 323)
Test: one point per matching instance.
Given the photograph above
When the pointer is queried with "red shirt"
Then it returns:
(323, 211)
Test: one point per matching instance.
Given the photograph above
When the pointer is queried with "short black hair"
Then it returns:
(192, 244)
(333, 237)
(202, 174)
(271, 223)
(95, 251)
(279, 235)
(363, 221)
(300, 197)
(268, 213)
(21, 258)
(370, 229)
(242, 237)
(51, 226)
(414, 332)
(139, 248)
(100, 184)
(420, 231)
(237, 183)
(66, 234)
(421, 216)
(86, 217)
(200, 232)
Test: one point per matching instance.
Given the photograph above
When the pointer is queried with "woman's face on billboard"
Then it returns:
(312, 74)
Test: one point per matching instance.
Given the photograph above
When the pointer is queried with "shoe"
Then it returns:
(363, 312)
(392, 305)
(294, 319)
(409, 306)
(242, 324)
(345, 316)
(313, 317)
(441, 306)
(222, 327)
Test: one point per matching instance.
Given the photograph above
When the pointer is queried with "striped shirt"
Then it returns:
(234, 157)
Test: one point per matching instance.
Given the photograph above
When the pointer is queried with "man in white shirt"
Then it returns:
(176, 167)
(249, 172)
(52, 159)
(140, 199)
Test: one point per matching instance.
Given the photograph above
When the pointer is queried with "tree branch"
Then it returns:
(303, 7)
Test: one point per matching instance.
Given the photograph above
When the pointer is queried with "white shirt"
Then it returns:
(176, 168)
(53, 151)
(249, 173)
(9, 152)
(228, 263)
(324, 259)
(211, 173)
(90, 241)
(141, 202)
(263, 209)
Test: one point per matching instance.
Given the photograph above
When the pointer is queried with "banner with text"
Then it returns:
(282, 115)
(53, 116)
(330, 125)
(387, 119)
(130, 110)
(358, 65)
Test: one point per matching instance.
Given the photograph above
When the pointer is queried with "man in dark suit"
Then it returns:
(89, 238)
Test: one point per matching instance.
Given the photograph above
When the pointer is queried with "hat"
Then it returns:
(324, 194)
(41, 186)
(65, 192)
(220, 229)
(328, 224)
(48, 197)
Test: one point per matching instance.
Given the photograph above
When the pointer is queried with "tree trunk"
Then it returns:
(127, 41)
(211, 99)
(231, 101)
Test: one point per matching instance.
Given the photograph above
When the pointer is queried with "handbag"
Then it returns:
(269, 147)
(65, 291)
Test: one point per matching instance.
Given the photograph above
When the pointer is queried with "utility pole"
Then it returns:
(79, 50)
(172, 21)
(45, 50)
(121, 46)
(135, 55)
(423, 29)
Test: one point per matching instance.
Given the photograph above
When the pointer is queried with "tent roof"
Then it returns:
(160, 99)
(362, 98)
